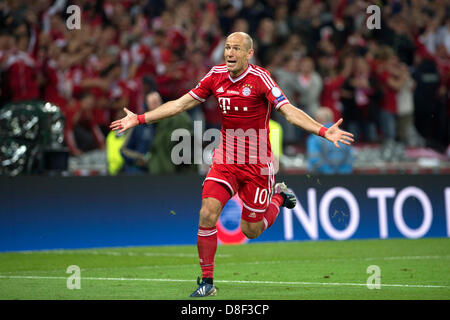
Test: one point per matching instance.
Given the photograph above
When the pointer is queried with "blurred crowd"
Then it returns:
(389, 84)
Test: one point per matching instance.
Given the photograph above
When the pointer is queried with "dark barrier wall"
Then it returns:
(82, 212)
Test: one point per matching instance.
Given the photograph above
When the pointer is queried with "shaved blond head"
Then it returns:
(238, 51)
(245, 38)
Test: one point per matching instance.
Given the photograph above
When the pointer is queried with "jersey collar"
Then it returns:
(242, 76)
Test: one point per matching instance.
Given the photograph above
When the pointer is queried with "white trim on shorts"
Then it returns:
(222, 181)
(251, 209)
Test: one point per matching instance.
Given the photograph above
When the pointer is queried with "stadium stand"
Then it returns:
(391, 85)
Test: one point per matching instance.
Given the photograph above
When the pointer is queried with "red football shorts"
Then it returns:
(252, 182)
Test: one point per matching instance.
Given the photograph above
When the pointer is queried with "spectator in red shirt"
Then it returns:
(360, 99)
(81, 132)
(150, 38)
(333, 81)
(6, 49)
(391, 82)
(21, 72)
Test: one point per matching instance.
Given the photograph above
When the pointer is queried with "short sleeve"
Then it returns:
(272, 92)
(203, 89)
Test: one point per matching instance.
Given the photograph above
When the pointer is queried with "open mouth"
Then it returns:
(231, 63)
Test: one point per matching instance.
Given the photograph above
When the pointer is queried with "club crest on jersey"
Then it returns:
(246, 90)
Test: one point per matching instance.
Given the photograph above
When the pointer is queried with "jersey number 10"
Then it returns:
(261, 196)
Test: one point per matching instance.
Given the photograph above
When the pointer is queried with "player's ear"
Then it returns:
(250, 54)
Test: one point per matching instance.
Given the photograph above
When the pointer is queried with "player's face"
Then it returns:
(236, 55)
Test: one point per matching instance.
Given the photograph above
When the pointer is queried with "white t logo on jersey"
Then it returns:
(225, 104)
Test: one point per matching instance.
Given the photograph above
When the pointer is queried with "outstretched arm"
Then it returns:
(300, 119)
(165, 110)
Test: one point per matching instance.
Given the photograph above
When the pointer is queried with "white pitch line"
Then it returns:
(230, 281)
(117, 253)
(224, 264)
(219, 255)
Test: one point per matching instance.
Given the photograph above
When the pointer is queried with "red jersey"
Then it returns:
(245, 104)
(389, 102)
(330, 96)
(21, 76)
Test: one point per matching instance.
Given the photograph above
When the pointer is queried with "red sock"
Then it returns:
(207, 246)
(272, 210)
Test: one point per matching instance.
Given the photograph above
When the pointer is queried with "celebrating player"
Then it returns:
(246, 94)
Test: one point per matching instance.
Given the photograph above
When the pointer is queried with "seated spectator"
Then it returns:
(323, 156)
(310, 86)
(388, 76)
(81, 132)
(334, 77)
(21, 72)
(405, 110)
(161, 151)
(286, 76)
(426, 106)
(148, 148)
(138, 142)
(360, 97)
(114, 142)
(136, 148)
(276, 142)
(176, 42)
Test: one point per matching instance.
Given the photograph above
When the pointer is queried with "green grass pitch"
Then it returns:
(331, 270)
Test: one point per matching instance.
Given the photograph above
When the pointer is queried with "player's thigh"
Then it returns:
(225, 175)
(214, 197)
(255, 196)
(254, 204)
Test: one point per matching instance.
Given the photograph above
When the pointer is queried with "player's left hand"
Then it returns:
(335, 135)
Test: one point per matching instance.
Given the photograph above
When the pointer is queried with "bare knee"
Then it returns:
(210, 212)
(251, 230)
(250, 234)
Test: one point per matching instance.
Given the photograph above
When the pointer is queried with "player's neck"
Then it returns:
(237, 73)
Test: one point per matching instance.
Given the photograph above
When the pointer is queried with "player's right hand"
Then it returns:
(127, 122)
